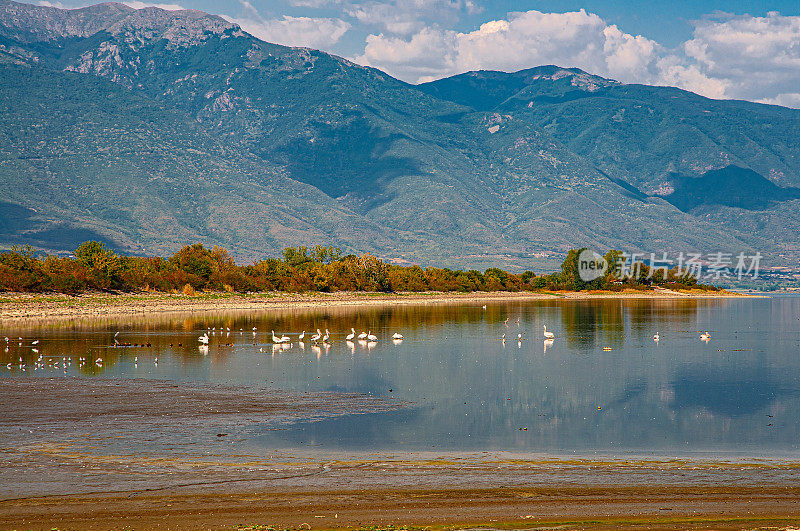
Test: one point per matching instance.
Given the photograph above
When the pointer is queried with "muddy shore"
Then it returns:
(25, 306)
(125, 454)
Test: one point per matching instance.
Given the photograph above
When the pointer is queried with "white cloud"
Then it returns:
(787, 100)
(404, 17)
(45, 3)
(523, 40)
(755, 58)
(295, 31)
(313, 3)
(673, 71)
(136, 4)
(428, 53)
(309, 32)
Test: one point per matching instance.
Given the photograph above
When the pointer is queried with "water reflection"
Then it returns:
(602, 383)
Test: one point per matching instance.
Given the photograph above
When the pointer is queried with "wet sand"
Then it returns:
(141, 454)
(25, 306)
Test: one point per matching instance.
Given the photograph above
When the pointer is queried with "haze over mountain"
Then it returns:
(150, 129)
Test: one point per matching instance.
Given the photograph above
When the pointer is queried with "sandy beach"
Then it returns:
(26, 306)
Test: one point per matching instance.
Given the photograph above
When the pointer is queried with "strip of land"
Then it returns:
(25, 306)
(650, 507)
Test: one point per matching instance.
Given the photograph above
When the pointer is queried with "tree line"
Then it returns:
(325, 269)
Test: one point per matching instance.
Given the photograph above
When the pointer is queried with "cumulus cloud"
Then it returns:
(755, 58)
(791, 99)
(310, 32)
(296, 31)
(523, 40)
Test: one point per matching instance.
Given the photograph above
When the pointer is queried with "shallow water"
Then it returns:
(602, 386)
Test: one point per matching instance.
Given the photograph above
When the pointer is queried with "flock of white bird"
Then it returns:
(283, 341)
(313, 337)
(550, 336)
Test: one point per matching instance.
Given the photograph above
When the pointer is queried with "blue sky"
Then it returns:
(733, 49)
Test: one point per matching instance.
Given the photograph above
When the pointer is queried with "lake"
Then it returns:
(602, 386)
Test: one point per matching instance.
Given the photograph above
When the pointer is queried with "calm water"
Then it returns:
(603, 385)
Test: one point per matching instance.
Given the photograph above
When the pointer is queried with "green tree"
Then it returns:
(296, 256)
(197, 261)
(104, 267)
(87, 251)
(570, 273)
(326, 255)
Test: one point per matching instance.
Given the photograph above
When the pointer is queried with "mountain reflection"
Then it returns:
(731, 394)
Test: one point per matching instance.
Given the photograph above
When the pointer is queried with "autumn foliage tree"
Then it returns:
(320, 268)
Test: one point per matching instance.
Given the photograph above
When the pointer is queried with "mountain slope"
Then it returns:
(736, 159)
(154, 128)
(638, 132)
(142, 177)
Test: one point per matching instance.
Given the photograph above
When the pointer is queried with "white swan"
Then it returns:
(362, 335)
(326, 337)
(285, 339)
(397, 336)
(351, 335)
(316, 336)
(203, 339)
(275, 339)
(656, 337)
(371, 336)
(705, 336)
(548, 335)
(302, 335)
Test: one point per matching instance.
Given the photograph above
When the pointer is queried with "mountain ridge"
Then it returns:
(483, 168)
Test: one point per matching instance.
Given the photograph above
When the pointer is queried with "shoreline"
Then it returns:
(15, 306)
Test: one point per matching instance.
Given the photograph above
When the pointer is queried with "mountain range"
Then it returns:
(150, 129)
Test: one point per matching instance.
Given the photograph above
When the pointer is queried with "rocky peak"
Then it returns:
(29, 23)
(183, 27)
